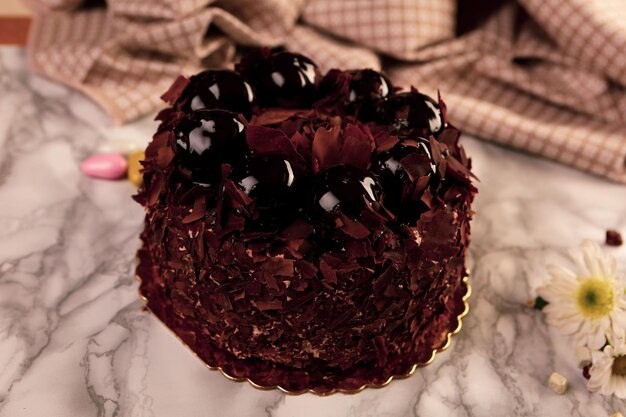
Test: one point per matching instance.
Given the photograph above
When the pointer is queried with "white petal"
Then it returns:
(578, 258)
(618, 321)
(592, 260)
(596, 338)
(620, 387)
(604, 323)
(558, 288)
(565, 326)
(609, 267)
(557, 271)
(608, 389)
(599, 374)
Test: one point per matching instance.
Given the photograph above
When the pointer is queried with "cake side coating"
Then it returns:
(346, 270)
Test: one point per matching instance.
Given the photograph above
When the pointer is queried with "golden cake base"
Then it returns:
(446, 344)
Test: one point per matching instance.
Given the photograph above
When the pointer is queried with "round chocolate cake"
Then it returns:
(305, 231)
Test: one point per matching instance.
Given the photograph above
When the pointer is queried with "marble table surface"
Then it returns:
(74, 340)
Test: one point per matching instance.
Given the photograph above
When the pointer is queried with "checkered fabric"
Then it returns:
(544, 76)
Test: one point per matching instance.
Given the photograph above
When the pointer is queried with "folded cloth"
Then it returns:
(544, 76)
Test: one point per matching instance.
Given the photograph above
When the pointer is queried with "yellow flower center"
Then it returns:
(619, 366)
(595, 298)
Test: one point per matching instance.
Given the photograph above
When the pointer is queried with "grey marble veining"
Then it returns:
(75, 342)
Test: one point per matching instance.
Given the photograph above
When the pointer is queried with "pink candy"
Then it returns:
(109, 166)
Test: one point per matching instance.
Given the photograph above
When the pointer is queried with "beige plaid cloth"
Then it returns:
(545, 76)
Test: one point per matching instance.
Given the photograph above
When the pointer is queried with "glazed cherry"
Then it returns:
(218, 89)
(269, 180)
(346, 189)
(285, 79)
(208, 138)
(413, 110)
(389, 164)
(396, 169)
(368, 84)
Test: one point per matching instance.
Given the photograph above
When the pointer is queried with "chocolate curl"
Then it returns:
(268, 141)
(272, 116)
(175, 90)
(384, 141)
(334, 89)
(443, 108)
(438, 158)
(324, 150)
(351, 227)
(332, 147)
(450, 136)
(358, 146)
(197, 212)
(381, 350)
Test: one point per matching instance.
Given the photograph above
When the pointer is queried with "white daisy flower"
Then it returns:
(589, 304)
(608, 372)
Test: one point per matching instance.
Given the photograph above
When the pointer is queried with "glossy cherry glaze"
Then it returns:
(218, 89)
(208, 138)
(412, 111)
(283, 79)
(345, 189)
(367, 91)
(368, 84)
(270, 180)
(397, 170)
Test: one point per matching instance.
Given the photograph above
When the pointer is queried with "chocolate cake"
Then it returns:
(305, 231)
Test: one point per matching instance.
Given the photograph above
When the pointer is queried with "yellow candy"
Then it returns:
(134, 167)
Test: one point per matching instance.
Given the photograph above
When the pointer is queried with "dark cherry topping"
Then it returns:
(285, 79)
(391, 163)
(397, 170)
(269, 180)
(217, 89)
(413, 111)
(346, 189)
(208, 138)
(368, 84)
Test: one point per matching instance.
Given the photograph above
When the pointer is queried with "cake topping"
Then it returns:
(346, 189)
(332, 146)
(368, 84)
(407, 161)
(413, 111)
(269, 180)
(400, 171)
(283, 78)
(356, 92)
(217, 89)
(206, 139)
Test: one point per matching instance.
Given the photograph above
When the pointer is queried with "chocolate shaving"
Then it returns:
(384, 141)
(175, 90)
(351, 227)
(274, 116)
(268, 141)
(352, 146)
(279, 266)
(325, 148)
(328, 272)
(299, 229)
(268, 305)
(198, 211)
